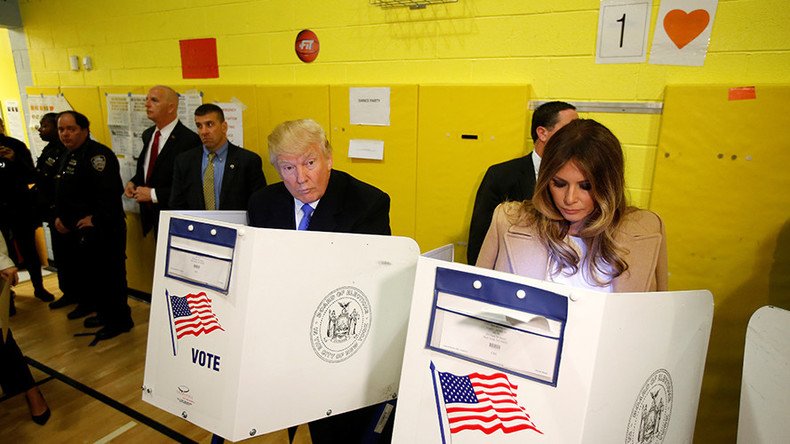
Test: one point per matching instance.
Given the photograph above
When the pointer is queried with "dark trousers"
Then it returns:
(15, 377)
(59, 244)
(24, 234)
(356, 426)
(103, 272)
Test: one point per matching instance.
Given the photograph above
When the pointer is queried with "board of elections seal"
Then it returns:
(340, 324)
(653, 407)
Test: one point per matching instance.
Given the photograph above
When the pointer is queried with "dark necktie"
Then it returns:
(154, 154)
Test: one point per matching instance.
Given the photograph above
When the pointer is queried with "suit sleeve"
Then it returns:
(107, 187)
(378, 218)
(254, 180)
(138, 178)
(178, 198)
(486, 201)
(489, 251)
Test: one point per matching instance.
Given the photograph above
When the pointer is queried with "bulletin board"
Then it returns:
(463, 129)
(720, 186)
(396, 174)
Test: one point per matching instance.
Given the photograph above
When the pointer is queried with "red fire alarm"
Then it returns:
(306, 45)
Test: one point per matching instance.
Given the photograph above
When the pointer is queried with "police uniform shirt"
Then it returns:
(46, 170)
(89, 184)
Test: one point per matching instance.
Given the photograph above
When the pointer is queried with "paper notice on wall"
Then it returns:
(118, 123)
(366, 149)
(369, 106)
(233, 116)
(622, 31)
(37, 106)
(138, 122)
(187, 103)
(13, 116)
(683, 32)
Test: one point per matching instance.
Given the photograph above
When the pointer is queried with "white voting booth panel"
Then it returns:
(765, 389)
(493, 357)
(253, 330)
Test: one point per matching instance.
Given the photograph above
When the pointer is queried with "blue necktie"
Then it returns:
(307, 210)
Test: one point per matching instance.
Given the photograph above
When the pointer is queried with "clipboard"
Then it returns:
(200, 253)
(511, 327)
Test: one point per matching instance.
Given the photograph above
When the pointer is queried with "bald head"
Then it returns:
(161, 105)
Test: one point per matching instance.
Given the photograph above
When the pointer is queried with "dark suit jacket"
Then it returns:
(348, 206)
(180, 140)
(243, 176)
(511, 180)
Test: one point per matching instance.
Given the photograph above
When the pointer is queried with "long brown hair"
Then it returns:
(598, 155)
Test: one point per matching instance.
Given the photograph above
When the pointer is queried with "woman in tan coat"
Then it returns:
(577, 229)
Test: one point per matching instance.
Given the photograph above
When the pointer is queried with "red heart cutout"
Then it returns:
(684, 27)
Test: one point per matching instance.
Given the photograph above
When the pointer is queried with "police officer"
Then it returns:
(46, 169)
(18, 221)
(90, 214)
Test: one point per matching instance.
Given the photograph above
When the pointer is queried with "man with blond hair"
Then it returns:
(312, 195)
(315, 197)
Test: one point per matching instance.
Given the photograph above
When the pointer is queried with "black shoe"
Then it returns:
(64, 301)
(111, 331)
(44, 295)
(79, 312)
(93, 322)
(42, 418)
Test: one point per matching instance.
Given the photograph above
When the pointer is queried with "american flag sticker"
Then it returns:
(479, 403)
(190, 315)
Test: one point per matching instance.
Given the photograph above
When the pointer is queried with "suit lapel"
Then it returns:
(525, 253)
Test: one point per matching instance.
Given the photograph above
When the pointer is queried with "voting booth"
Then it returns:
(765, 387)
(253, 330)
(493, 357)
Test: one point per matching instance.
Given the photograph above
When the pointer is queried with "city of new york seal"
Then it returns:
(340, 324)
(653, 408)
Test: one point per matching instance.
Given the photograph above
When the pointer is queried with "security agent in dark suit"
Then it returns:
(217, 175)
(515, 179)
(313, 196)
(162, 142)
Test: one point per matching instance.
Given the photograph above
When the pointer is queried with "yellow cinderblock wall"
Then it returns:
(549, 45)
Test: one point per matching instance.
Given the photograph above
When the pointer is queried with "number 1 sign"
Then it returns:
(622, 31)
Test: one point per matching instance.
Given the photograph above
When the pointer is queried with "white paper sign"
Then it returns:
(13, 116)
(233, 115)
(37, 106)
(369, 106)
(366, 149)
(683, 32)
(187, 103)
(622, 31)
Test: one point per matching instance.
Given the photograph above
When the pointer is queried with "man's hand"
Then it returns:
(142, 194)
(6, 153)
(10, 274)
(60, 227)
(85, 222)
(129, 189)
